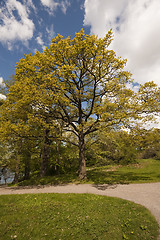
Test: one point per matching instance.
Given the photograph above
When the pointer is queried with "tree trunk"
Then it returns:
(45, 154)
(27, 172)
(56, 167)
(27, 166)
(16, 176)
(82, 161)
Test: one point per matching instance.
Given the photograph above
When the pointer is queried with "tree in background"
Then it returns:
(112, 147)
(147, 142)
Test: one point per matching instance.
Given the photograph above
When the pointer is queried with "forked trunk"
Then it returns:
(82, 161)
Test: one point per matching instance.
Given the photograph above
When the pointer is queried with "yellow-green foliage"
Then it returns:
(76, 85)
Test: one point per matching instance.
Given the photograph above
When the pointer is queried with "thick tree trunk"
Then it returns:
(16, 177)
(82, 161)
(27, 172)
(45, 154)
(27, 166)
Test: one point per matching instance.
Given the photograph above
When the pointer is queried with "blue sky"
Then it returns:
(29, 25)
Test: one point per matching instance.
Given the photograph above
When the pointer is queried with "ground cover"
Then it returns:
(144, 171)
(73, 216)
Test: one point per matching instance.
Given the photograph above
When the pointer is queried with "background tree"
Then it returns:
(147, 142)
(110, 147)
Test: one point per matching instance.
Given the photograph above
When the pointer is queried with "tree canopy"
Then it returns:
(70, 90)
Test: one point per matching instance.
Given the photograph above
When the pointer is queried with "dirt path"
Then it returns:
(147, 194)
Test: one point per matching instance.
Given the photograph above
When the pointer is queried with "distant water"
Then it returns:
(10, 177)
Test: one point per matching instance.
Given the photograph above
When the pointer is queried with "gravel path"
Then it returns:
(147, 194)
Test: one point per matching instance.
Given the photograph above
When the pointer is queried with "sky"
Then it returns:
(29, 25)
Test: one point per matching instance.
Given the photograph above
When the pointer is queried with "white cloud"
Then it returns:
(16, 24)
(40, 41)
(136, 30)
(133, 87)
(29, 4)
(2, 84)
(52, 5)
(64, 5)
(2, 96)
(102, 14)
(50, 32)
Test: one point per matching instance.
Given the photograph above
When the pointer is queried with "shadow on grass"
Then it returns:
(97, 177)
(116, 177)
(61, 179)
(109, 176)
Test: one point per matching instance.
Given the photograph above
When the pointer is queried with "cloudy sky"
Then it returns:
(29, 25)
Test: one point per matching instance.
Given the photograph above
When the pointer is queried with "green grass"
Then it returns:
(73, 216)
(144, 171)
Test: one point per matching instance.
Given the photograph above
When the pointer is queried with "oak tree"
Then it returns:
(79, 84)
(90, 85)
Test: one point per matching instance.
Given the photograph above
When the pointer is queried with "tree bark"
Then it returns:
(45, 154)
(82, 161)
(27, 166)
(57, 161)
(16, 176)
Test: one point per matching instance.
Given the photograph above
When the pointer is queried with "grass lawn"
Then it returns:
(146, 170)
(73, 216)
